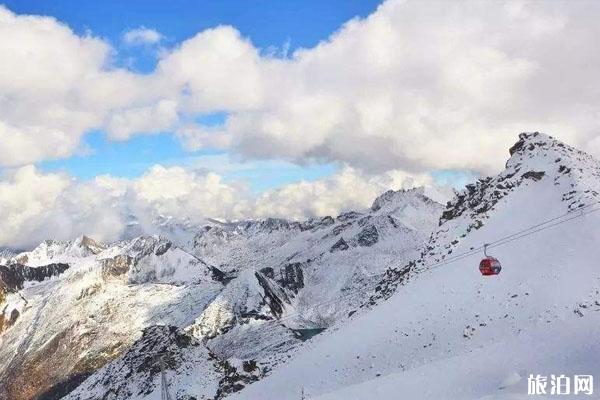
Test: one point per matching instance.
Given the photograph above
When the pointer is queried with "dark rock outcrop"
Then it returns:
(340, 245)
(535, 175)
(292, 277)
(13, 276)
(116, 266)
(368, 236)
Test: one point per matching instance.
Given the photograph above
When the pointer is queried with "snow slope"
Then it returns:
(244, 293)
(447, 332)
(271, 303)
(65, 327)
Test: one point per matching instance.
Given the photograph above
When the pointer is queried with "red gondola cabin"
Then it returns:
(489, 266)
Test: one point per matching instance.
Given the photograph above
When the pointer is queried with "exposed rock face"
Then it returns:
(368, 236)
(274, 294)
(12, 277)
(116, 266)
(142, 361)
(236, 378)
(43, 374)
(279, 288)
(535, 175)
(137, 372)
(88, 245)
(340, 245)
(291, 277)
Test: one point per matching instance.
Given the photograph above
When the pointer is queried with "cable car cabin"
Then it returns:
(490, 266)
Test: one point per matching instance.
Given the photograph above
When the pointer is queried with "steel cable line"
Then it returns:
(520, 233)
(580, 212)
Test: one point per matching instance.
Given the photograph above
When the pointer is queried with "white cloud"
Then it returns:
(415, 86)
(35, 206)
(142, 35)
(152, 118)
(184, 194)
(55, 86)
(215, 70)
(346, 190)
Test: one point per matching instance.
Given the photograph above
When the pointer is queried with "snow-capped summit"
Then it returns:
(540, 170)
(445, 330)
(59, 251)
(6, 255)
(86, 246)
(397, 198)
(157, 259)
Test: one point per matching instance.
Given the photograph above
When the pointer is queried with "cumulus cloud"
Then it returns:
(346, 190)
(35, 206)
(422, 85)
(415, 86)
(55, 86)
(184, 194)
(141, 36)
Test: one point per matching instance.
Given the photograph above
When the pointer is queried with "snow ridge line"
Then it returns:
(497, 243)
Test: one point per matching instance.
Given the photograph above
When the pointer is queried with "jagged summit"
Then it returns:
(542, 151)
(399, 198)
(534, 157)
(541, 171)
(88, 245)
(443, 321)
(49, 250)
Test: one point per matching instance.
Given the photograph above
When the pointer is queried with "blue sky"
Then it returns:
(301, 23)
(268, 24)
(397, 96)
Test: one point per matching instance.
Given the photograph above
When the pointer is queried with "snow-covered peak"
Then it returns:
(541, 171)
(50, 251)
(410, 207)
(540, 152)
(6, 255)
(149, 259)
(86, 246)
(397, 198)
(534, 157)
(44, 253)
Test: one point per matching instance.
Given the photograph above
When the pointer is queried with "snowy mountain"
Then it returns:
(241, 294)
(370, 303)
(447, 332)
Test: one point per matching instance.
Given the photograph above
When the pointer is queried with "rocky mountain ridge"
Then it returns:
(225, 284)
